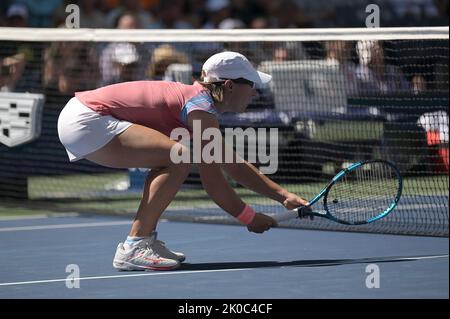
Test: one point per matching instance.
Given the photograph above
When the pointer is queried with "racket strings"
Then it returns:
(364, 193)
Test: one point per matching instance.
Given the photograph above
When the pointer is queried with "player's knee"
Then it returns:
(180, 169)
(180, 159)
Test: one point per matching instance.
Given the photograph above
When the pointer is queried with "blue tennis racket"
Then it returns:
(360, 194)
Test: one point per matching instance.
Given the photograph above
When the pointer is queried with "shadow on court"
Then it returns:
(300, 263)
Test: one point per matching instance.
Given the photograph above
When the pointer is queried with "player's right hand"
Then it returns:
(261, 223)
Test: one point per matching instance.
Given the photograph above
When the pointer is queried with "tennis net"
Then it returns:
(337, 96)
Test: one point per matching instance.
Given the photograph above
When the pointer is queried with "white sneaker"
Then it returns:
(142, 256)
(159, 246)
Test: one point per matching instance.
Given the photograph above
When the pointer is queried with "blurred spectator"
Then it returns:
(132, 6)
(149, 4)
(348, 14)
(418, 85)
(77, 74)
(265, 48)
(170, 16)
(41, 12)
(19, 60)
(289, 51)
(17, 16)
(243, 47)
(127, 20)
(259, 22)
(125, 64)
(217, 11)
(340, 53)
(106, 6)
(231, 23)
(11, 71)
(374, 75)
(90, 15)
(209, 13)
(280, 54)
(162, 57)
(417, 59)
(20, 72)
(195, 13)
(290, 15)
(247, 10)
(70, 67)
(416, 13)
(121, 62)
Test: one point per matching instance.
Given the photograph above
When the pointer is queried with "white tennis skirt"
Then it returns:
(83, 131)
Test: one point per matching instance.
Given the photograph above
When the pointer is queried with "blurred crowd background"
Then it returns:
(407, 76)
(224, 14)
(62, 68)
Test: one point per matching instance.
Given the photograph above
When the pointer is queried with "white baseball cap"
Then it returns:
(231, 65)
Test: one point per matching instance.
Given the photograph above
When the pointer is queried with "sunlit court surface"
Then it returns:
(339, 109)
(71, 257)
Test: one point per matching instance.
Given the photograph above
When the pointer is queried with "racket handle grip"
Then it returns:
(285, 216)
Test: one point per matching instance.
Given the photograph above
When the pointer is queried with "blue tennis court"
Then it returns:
(339, 98)
(223, 261)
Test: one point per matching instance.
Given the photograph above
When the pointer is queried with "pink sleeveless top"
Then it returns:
(159, 105)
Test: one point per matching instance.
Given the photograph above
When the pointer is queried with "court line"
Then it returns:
(38, 216)
(119, 276)
(63, 226)
(168, 273)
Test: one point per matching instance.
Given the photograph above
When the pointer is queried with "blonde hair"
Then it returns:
(216, 89)
(163, 56)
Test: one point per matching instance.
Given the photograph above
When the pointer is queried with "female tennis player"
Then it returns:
(128, 125)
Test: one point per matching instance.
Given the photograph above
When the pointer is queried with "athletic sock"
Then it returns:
(132, 240)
